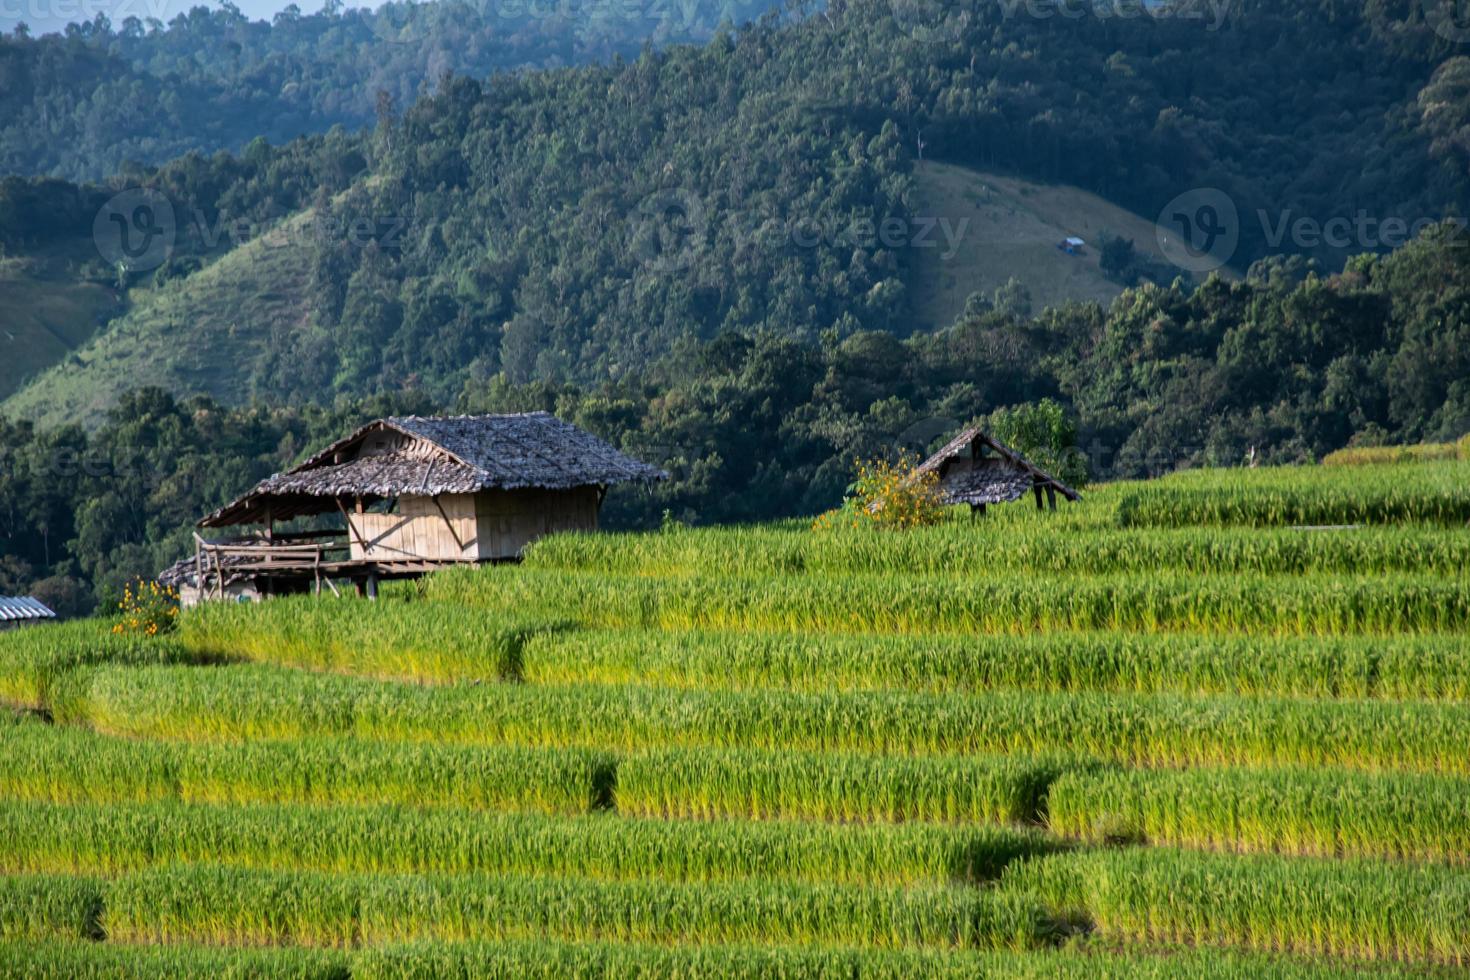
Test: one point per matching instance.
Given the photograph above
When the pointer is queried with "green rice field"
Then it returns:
(1217, 725)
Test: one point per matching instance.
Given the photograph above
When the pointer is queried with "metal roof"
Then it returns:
(23, 607)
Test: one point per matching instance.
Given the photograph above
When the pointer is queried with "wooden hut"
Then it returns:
(21, 611)
(977, 469)
(414, 494)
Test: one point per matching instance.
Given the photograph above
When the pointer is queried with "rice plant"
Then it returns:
(34, 661)
(1345, 908)
(743, 784)
(240, 703)
(1431, 668)
(49, 907)
(71, 960)
(515, 960)
(70, 765)
(1322, 812)
(214, 905)
(1428, 493)
(1306, 605)
(406, 641)
(987, 547)
(112, 839)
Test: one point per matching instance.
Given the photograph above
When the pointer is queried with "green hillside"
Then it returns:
(50, 313)
(1011, 230)
(552, 233)
(211, 332)
(1172, 746)
(208, 332)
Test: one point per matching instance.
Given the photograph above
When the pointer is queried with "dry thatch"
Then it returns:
(415, 456)
(975, 468)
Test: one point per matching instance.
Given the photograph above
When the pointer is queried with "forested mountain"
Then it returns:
(85, 104)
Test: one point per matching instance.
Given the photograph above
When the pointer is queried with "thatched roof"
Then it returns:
(19, 608)
(416, 456)
(976, 468)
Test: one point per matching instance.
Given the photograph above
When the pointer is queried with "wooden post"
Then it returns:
(1051, 497)
(1039, 504)
(372, 586)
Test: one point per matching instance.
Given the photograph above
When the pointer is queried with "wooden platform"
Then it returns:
(306, 562)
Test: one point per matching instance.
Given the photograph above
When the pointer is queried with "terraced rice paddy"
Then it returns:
(1161, 734)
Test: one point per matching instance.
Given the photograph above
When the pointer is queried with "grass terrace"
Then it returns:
(1210, 726)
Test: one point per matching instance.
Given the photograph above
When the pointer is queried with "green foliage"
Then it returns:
(1328, 812)
(747, 785)
(1435, 493)
(1427, 668)
(234, 703)
(863, 762)
(1044, 434)
(412, 642)
(218, 905)
(1306, 605)
(67, 765)
(1084, 541)
(114, 839)
(34, 664)
(106, 961)
(1337, 908)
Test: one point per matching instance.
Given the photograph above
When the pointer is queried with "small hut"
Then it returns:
(977, 469)
(22, 611)
(414, 494)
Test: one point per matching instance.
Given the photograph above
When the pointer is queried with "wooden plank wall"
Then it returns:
(418, 530)
(490, 525)
(512, 519)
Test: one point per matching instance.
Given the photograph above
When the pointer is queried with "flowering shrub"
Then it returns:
(888, 495)
(147, 608)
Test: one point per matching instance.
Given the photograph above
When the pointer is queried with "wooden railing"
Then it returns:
(215, 564)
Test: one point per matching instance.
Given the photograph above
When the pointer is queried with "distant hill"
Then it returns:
(50, 313)
(104, 96)
(580, 225)
(1005, 229)
(208, 332)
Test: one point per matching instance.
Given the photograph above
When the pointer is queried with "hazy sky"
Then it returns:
(46, 16)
